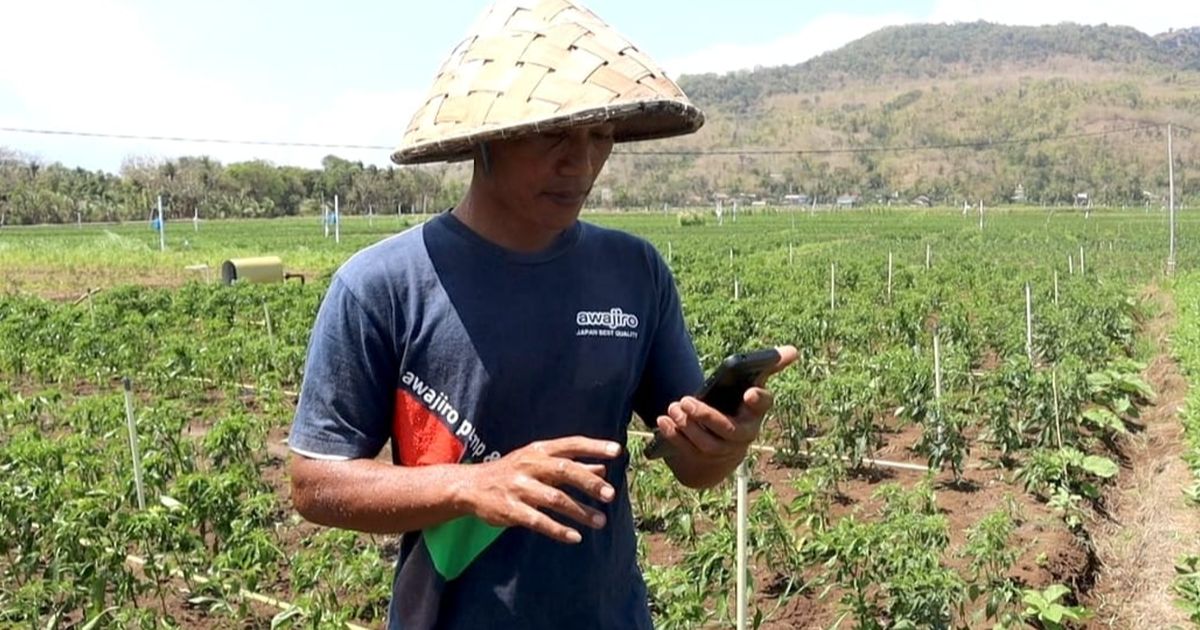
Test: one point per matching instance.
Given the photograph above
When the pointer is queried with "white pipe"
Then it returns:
(771, 450)
(742, 517)
(258, 597)
(162, 228)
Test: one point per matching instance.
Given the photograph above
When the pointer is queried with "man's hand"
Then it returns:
(515, 488)
(707, 443)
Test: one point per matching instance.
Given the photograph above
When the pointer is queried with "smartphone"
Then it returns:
(725, 388)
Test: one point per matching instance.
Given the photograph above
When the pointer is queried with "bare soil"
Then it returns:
(1152, 524)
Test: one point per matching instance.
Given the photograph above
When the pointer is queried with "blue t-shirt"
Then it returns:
(461, 351)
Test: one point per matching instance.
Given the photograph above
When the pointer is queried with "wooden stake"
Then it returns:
(937, 364)
(270, 329)
(1028, 322)
(133, 444)
(889, 284)
(832, 286)
(1057, 420)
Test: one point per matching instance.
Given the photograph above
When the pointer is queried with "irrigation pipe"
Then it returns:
(245, 386)
(771, 450)
(258, 597)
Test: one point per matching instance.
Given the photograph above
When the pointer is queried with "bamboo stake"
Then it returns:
(1028, 322)
(889, 282)
(832, 286)
(270, 330)
(133, 444)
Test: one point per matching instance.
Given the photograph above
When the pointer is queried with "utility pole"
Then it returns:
(1171, 200)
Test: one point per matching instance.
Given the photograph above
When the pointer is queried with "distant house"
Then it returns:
(847, 201)
(796, 200)
(1019, 194)
(923, 201)
(1081, 200)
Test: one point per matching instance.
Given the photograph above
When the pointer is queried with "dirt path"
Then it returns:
(1152, 523)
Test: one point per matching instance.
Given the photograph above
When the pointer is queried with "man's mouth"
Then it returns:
(565, 197)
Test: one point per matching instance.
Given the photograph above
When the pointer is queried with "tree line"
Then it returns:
(32, 191)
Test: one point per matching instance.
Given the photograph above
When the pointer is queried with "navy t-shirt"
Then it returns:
(461, 351)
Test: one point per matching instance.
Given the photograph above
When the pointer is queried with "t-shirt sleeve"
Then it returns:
(672, 368)
(348, 394)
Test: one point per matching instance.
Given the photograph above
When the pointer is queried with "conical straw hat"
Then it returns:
(528, 66)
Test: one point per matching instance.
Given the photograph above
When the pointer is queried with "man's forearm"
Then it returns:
(374, 497)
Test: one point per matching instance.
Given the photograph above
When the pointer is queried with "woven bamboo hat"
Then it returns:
(529, 66)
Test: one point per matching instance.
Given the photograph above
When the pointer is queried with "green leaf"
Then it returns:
(1054, 592)
(91, 624)
(1102, 467)
(284, 617)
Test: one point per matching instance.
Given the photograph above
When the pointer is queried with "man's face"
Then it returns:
(542, 180)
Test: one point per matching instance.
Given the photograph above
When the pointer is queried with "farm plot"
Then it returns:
(1019, 407)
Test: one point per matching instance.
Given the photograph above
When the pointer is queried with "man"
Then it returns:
(502, 347)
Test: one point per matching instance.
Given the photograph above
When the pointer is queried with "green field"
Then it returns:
(1029, 439)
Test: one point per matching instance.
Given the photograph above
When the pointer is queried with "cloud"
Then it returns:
(822, 34)
(98, 66)
(1149, 16)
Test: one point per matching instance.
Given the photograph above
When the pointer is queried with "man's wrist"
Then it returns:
(461, 489)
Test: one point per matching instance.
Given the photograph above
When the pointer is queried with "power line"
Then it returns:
(970, 144)
(976, 144)
(125, 136)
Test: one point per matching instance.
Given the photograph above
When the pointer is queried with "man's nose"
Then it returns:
(578, 155)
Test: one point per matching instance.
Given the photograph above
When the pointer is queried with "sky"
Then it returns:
(352, 72)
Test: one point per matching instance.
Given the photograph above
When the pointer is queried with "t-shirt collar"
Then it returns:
(562, 243)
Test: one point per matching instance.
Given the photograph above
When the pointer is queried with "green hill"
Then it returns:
(935, 84)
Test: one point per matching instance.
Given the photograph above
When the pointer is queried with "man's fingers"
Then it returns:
(701, 415)
(577, 446)
(787, 356)
(596, 469)
(542, 524)
(586, 477)
(557, 500)
(758, 401)
(671, 433)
